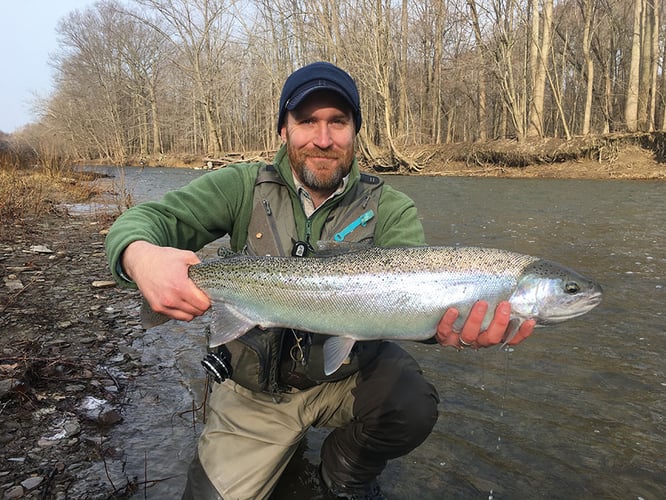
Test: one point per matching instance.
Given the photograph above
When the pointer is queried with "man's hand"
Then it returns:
(471, 334)
(161, 273)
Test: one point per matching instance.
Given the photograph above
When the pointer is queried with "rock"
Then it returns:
(99, 411)
(6, 385)
(75, 388)
(40, 249)
(15, 492)
(13, 283)
(118, 358)
(63, 429)
(47, 442)
(32, 482)
(110, 417)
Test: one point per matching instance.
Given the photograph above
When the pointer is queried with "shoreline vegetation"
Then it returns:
(611, 156)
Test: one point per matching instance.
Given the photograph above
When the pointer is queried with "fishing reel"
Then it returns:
(218, 366)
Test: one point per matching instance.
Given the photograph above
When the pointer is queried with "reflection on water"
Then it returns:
(576, 411)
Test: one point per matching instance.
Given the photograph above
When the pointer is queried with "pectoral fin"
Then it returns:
(150, 318)
(227, 324)
(511, 331)
(336, 352)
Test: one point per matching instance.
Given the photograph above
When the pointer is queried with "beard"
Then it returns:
(324, 177)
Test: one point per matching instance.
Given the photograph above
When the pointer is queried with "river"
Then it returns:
(576, 411)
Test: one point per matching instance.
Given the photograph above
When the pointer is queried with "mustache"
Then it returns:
(320, 153)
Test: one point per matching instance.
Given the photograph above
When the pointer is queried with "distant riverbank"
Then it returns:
(620, 156)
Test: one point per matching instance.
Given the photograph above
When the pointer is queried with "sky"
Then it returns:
(27, 42)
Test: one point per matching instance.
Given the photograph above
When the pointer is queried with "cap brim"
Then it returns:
(310, 87)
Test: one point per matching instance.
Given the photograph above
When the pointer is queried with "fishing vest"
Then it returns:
(278, 359)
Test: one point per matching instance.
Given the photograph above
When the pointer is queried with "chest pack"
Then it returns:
(278, 359)
(273, 229)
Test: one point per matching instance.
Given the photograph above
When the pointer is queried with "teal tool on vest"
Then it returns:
(361, 221)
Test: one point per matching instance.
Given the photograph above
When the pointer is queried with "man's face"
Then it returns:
(320, 141)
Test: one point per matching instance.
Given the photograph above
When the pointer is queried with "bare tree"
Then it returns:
(93, 81)
(631, 103)
(587, 9)
(505, 15)
(540, 42)
(200, 31)
(653, 43)
(481, 83)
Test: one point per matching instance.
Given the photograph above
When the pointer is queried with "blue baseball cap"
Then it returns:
(318, 76)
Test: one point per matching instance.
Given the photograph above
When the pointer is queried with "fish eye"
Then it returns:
(572, 287)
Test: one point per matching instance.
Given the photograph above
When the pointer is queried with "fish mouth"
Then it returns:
(593, 300)
(582, 307)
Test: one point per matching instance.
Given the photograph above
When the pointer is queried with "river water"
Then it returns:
(576, 411)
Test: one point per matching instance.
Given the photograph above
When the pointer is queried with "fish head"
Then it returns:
(551, 293)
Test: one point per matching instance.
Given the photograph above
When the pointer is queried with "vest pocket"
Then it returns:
(254, 358)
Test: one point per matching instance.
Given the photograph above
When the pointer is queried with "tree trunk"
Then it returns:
(481, 81)
(587, 9)
(539, 63)
(631, 102)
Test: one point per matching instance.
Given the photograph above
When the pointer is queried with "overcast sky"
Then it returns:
(27, 40)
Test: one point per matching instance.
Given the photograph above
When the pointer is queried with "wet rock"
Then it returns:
(61, 430)
(100, 411)
(130, 352)
(96, 440)
(118, 358)
(32, 482)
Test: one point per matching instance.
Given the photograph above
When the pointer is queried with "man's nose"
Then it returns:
(323, 137)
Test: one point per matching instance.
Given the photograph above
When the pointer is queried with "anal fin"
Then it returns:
(336, 352)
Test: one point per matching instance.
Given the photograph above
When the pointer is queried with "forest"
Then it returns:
(142, 79)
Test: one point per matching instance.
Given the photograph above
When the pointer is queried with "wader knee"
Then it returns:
(395, 409)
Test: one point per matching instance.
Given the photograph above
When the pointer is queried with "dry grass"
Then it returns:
(31, 193)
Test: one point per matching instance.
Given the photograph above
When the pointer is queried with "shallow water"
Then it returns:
(577, 411)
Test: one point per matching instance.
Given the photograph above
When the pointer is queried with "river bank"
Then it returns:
(631, 162)
(622, 156)
(66, 358)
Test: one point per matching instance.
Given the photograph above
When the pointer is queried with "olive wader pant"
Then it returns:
(382, 412)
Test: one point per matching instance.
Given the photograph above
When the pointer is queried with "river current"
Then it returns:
(576, 411)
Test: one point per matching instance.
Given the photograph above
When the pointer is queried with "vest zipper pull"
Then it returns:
(361, 221)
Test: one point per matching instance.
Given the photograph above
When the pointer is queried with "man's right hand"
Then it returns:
(161, 273)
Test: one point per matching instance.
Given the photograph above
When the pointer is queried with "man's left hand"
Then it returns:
(471, 335)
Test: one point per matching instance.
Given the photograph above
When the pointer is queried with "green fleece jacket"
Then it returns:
(220, 203)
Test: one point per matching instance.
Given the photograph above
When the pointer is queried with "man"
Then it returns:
(378, 404)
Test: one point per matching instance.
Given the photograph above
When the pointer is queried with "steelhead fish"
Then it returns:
(384, 293)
